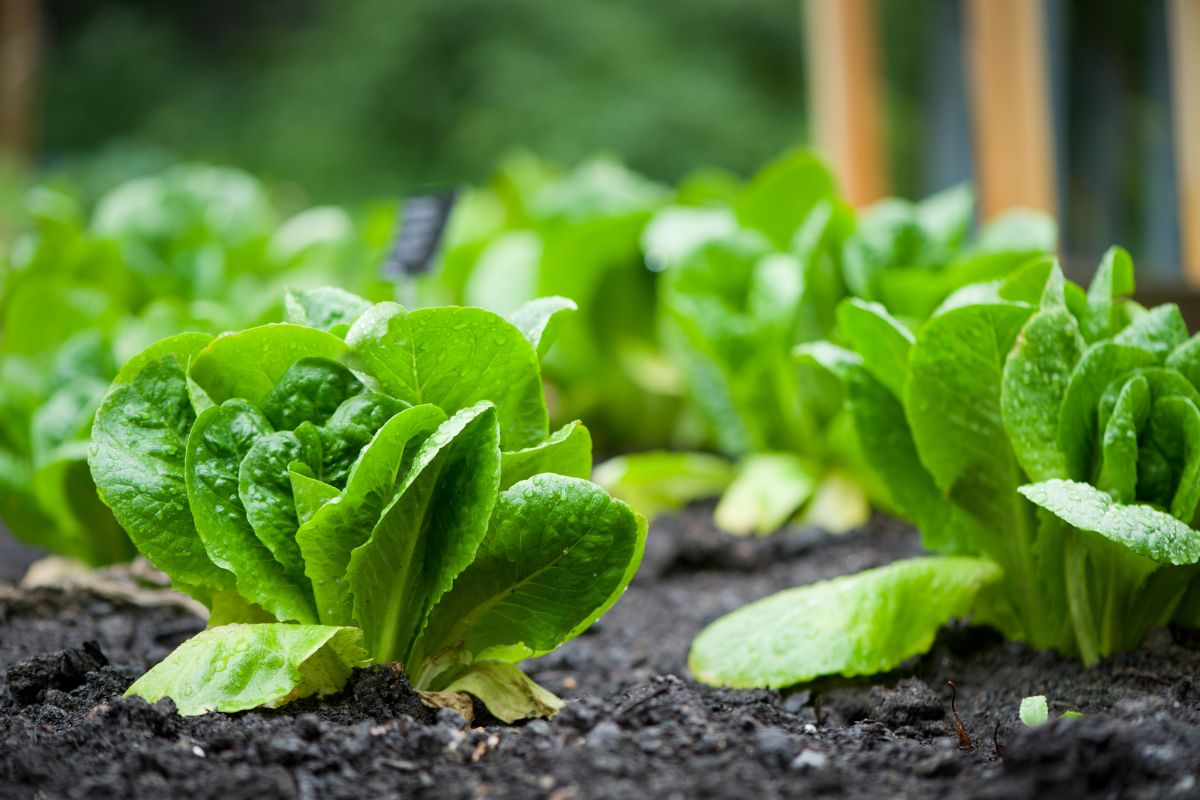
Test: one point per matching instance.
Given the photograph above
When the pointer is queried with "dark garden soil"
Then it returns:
(636, 726)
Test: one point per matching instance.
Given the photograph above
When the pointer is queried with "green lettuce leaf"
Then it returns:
(568, 452)
(236, 667)
(424, 357)
(1144, 530)
(508, 693)
(560, 545)
(766, 492)
(661, 481)
(429, 533)
(853, 625)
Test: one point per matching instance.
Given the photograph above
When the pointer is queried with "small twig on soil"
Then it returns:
(999, 748)
(964, 740)
(817, 710)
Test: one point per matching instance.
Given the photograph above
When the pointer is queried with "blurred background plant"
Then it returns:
(191, 248)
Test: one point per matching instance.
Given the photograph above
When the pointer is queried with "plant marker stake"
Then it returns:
(420, 226)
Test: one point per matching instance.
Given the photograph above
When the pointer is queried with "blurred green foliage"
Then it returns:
(373, 97)
(194, 248)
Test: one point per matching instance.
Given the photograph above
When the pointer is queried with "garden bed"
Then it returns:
(637, 725)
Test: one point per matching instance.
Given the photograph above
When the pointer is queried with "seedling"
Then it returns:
(361, 484)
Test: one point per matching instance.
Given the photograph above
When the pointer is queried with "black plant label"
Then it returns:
(420, 227)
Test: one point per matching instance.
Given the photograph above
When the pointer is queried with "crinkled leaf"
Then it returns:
(369, 410)
(853, 625)
(1078, 420)
(137, 460)
(265, 489)
(1161, 330)
(221, 437)
(1119, 447)
(767, 491)
(311, 390)
(567, 452)
(1175, 429)
(1186, 358)
(453, 358)
(1144, 530)
(429, 533)
(236, 667)
(558, 553)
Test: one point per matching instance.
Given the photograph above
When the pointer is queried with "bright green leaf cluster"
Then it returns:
(192, 248)
(1051, 431)
(394, 489)
(740, 291)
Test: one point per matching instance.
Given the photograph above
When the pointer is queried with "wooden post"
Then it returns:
(1183, 30)
(844, 94)
(20, 54)
(1010, 105)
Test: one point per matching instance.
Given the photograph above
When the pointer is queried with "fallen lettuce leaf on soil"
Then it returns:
(397, 487)
(853, 625)
(236, 667)
(1034, 711)
(1050, 431)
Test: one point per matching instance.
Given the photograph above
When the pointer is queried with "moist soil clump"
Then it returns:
(635, 726)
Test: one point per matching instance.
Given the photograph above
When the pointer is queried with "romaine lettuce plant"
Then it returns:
(361, 484)
(192, 248)
(1045, 440)
(744, 282)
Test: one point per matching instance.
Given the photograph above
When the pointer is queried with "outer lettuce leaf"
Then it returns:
(1142, 529)
(508, 693)
(568, 452)
(782, 194)
(137, 459)
(854, 625)
(953, 398)
(559, 545)
(236, 667)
